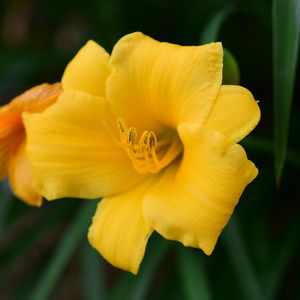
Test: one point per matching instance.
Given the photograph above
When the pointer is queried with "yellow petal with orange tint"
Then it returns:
(88, 70)
(35, 99)
(11, 135)
(193, 201)
(119, 231)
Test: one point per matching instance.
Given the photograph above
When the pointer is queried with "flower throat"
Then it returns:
(148, 155)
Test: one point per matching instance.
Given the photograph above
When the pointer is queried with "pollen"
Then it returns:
(148, 155)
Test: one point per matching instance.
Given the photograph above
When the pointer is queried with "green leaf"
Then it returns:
(286, 31)
(266, 145)
(231, 72)
(281, 259)
(240, 261)
(213, 27)
(193, 276)
(5, 202)
(93, 276)
(130, 287)
(62, 254)
(155, 255)
(122, 288)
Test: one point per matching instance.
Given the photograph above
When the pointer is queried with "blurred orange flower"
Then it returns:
(13, 159)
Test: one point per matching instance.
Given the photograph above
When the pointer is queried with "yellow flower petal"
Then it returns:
(193, 203)
(119, 231)
(88, 70)
(71, 152)
(156, 83)
(20, 178)
(235, 112)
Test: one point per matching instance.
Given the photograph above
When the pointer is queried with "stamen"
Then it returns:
(132, 135)
(151, 140)
(122, 125)
(143, 153)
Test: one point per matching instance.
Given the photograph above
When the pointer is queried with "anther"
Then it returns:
(143, 138)
(132, 135)
(151, 140)
(122, 125)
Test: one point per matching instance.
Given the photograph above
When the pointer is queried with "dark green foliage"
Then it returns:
(44, 252)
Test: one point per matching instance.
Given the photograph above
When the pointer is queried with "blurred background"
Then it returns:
(44, 253)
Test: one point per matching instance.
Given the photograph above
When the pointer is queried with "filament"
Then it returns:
(146, 153)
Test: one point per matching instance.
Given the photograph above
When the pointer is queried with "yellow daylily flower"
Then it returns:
(158, 142)
(13, 159)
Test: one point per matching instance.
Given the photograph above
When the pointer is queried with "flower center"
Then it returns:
(147, 153)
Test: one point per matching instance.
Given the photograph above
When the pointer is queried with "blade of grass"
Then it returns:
(5, 202)
(231, 72)
(212, 28)
(25, 234)
(240, 261)
(286, 32)
(281, 259)
(153, 259)
(27, 239)
(192, 274)
(70, 239)
(266, 145)
(93, 276)
(121, 289)
(130, 287)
